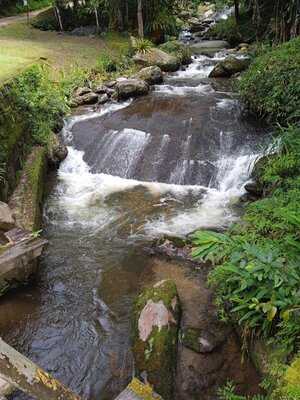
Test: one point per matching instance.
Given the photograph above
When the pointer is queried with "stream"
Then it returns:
(165, 164)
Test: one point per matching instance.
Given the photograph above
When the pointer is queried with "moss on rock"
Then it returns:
(26, 201)
(156, 321)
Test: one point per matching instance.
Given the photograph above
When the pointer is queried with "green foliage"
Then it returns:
(142, 46)
(42, 101)
(235, 33)
(271, 86)
(16, 7)
(257, 276)
(227, 392)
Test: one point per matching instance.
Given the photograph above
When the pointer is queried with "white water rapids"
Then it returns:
(81, 194)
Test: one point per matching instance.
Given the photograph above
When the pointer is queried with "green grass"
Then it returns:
(22, 45)
(18, 8)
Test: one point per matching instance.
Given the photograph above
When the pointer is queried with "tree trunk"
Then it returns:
(97, 19)
(126, 18)
(237, 10)
(57, 13)
(140, 19)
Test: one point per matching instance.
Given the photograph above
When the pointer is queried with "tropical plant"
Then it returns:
(142, 45)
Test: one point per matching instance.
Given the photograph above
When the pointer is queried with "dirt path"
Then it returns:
(19, 18)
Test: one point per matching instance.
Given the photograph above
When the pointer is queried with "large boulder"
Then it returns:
(126, 88)
(163, 60)
(228, 67)
(152, 75)
(7, 220)
(156, 323)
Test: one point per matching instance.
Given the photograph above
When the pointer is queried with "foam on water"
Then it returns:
(82, 195)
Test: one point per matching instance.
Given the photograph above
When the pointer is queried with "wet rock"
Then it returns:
(110, 84)
(86, 99)
(100, 89)
(152, 75)
(195, 24)
(156, 321)
(131, 88)
(56, 150)
(82, 91)
(7, 220)
(209, 46)
(200, 341)
(163, 60)
(229, 67)
(254, 188)
(103, 99)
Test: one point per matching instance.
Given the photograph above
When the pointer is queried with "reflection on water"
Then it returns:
(170, 162)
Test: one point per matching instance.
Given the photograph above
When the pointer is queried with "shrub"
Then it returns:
(271, 86)
(142, 45)
(42, 101)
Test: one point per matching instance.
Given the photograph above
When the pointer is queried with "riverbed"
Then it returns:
(164, 164)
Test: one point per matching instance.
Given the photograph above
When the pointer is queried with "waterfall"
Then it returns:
(116, 156)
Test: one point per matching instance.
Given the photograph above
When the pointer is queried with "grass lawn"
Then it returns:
(22, 45)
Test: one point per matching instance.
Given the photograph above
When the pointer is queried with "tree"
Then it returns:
(140, 19)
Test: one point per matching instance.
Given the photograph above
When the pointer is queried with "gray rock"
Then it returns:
(254, 188)
(100, 89)
(110, 92)
(209, 46)
(110, 84)
(229, 67)
(152, 75)
(131, 88)
(200, 341)
(82, 91)
(103, 99)
(86, 99)
(56, 150)
(163, 60)
(7, 220)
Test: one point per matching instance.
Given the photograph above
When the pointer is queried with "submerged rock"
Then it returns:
(229, 67)
(131, 88)
(152, 75)
(163, 60)
(156, 321)
(7, 220)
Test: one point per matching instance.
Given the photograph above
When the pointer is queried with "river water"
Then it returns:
(167, 163)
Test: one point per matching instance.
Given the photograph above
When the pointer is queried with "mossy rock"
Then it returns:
(27, 200)
(155, 329)
(56, 150)
(201, 341)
